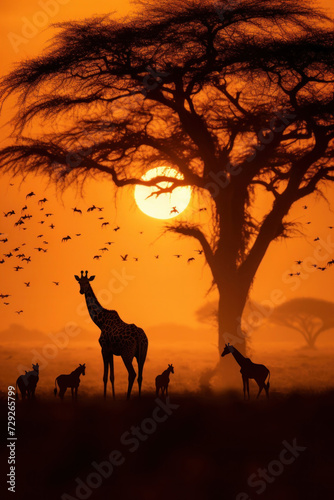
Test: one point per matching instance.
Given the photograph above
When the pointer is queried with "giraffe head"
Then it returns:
(227, 349)
(36, 367)
(84, 281)
(171, 368)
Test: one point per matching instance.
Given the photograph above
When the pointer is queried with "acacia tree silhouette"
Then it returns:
(306, 315)
(237, 97)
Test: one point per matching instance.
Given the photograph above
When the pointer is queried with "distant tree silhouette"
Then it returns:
(237, 96)
(308, 316)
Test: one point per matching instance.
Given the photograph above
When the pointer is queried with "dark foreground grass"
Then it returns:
(208, 447)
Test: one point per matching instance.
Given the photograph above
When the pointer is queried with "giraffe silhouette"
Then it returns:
(117, 338)
(249, 370)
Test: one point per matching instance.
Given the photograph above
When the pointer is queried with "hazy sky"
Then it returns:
(146, 292)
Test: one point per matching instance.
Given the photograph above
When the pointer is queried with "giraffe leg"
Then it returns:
(132, 374)
(244, 384)
(111, 363)
(141, 361)
(260, 390)
(248, 387)
(72, 391)
(105, 373)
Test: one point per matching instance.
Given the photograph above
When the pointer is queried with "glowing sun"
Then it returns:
(166, 205)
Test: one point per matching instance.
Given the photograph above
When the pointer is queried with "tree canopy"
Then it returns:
(307, 315)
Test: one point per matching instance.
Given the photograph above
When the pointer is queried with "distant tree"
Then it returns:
(308, 316)
(238, 96)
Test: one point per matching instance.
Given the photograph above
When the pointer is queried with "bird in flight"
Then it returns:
(322, 268)
(24, 208)
(97, 257)
(8, 254)
(4, 240)
(116, 228)
(41, 222)
(178, 256)
(109, 242)
(202, 209)
(27, 283)
(135, 258)
(75, 209)
(18, 268)
(27, 259)
(19, 312)
(40, 236)
(56, 283)
(3, 296)
(299, 262)
(99, 209)
(190, 259)
(19, 222)
(48, 215)
(20, 255)
(330, 262)
(156, 256)
(124, 257)
(42, 201)
(104, 249)
(199, 252)
(52, 226)
(29, 195)
(174, 211)
(316, 239)
(90, 209)
(78, 234)
(6, 214)
(2, 261)
(66, 238)
(104, 224)
(304, 207)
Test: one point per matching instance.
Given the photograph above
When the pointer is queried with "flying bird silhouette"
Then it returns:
(9, 213)
(4, 240)
(19, 312)
(56, 283)
(174, 211)
(29, 195)
(75, 209)
(109, 242)
(90, 209)
(2, 261)
(18, 268)
(299, 262)
(104, 224)
(8, 254)
(316, 239)
(48, 215)
(66, 238)
(4, 296)
(42, 201)
(116, 228)
(177, 256)
(97, 257)
(190, 259)
(124, 257)
(135, 258)
(24, 208)
(27, 283)
(199, 252)
(104, 249)
(52, 226)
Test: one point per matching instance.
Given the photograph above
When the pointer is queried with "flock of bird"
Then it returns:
(47, 222)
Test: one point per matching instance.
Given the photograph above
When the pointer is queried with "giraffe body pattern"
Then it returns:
(117, 337)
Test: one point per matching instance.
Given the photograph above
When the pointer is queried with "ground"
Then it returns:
(207, 446)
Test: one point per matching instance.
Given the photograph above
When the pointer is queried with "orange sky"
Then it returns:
(151, 291)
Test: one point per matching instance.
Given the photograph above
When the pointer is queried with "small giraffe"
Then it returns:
(249, 370)
(162, 381)
(117, 338)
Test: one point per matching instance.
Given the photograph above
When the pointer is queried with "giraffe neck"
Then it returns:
(93, 305)
(240, 359)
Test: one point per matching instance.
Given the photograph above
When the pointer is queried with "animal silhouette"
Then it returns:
(249, 370)
(117, 338)
(27, 383)
(162, 381)
(72, 380)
